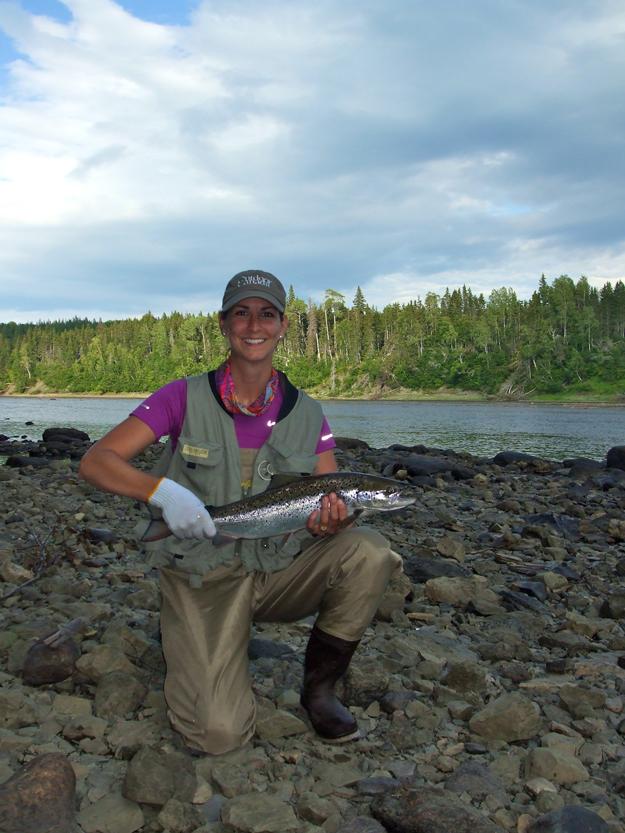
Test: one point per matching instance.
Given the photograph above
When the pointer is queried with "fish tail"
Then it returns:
(156, 530)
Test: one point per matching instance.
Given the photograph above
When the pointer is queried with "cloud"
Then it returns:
(401, 148)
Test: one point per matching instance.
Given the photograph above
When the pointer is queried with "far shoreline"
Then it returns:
(447, 397)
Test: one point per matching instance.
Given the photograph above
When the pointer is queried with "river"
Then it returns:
(552, 431)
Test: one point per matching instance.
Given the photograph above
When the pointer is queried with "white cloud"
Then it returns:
(401, 148)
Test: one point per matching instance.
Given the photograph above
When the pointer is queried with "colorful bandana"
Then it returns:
(225, 386)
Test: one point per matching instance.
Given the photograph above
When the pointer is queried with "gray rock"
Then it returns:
(16, 710)
(362, 824)
(126, 737)
(562, 524)
(414, 809)
(365, 681)
(131, 641)
(451, 547)
(267, 648)
(615, 458)
(111, 814)
(118, 694)
(279, 724)
(465, 676)
(178, 817)
(259, 813)
(40, 797)
(570, 819)
(421, 569)
(510, 717)
(153, 777)
(46, 664)
(66, 433)
(232, 778)
(85, 726)
(100, 535)
(515, 600)
(536, 589)
(377, 786)
(614, 606)
(102, 660)
(476, 779)
(338, 775)
(459, 591)
(556, 765)
(581, 701)
(315, 809)
(397, 700)
(506, 458)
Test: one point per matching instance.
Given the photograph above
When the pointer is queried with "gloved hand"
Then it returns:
(183, 512)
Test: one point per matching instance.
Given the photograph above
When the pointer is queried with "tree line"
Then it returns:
(568, 337)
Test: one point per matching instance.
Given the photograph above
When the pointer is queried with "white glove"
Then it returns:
(183, 512)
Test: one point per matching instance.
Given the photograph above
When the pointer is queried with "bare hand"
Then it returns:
(329, 518)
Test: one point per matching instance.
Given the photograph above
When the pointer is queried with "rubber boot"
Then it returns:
(327, 659)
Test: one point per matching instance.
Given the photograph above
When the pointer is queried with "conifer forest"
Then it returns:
(567, 339)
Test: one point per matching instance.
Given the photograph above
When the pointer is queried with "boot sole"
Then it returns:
(342, 739)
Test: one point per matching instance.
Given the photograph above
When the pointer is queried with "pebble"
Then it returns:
(489, 690)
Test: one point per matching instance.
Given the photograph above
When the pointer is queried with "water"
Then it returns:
(551, 431)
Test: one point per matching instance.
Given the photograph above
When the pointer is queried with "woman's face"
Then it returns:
(253, 328)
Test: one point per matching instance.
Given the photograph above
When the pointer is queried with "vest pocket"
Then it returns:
(197, 460)
(283, 460)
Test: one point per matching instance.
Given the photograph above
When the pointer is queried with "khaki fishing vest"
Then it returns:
(208, 461)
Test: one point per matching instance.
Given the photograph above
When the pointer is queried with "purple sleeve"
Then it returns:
(164, 411)
(326, 438)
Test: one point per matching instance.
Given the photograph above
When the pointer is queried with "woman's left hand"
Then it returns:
(329, 518)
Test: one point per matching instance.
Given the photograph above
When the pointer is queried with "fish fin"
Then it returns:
(220, 540)
(350, 519)
(156, 530)
(284, 478)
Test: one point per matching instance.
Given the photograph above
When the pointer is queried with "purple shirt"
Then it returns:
(164, 412)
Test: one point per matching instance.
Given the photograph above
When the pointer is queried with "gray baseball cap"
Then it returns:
(254, 283)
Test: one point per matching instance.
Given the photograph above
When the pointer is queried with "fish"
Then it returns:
(288, 501)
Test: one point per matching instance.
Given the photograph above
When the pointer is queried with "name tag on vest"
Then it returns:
(194, 451)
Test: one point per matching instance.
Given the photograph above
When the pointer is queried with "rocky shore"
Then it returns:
(490, 689)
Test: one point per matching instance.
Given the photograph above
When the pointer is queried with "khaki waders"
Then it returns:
(206, 629)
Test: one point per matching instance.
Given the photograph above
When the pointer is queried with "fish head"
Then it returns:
(384, 494)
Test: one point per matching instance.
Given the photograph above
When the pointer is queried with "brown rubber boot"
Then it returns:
(327, 659)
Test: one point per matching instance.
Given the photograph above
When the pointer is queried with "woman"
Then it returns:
(229, 431)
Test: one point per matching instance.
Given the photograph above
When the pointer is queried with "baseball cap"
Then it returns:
(254, 283)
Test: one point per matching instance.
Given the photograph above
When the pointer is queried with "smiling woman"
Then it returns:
(230, 431)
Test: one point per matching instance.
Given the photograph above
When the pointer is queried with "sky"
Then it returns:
(151, 149)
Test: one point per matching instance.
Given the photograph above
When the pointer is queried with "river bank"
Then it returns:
(395, 396)
(490, 689)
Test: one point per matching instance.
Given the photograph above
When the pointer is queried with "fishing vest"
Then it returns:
(208, 461)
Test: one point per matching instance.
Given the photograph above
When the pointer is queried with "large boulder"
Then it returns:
(65, 434)
(50, 664)
(40, 797)
(615, 458)
(418, 809)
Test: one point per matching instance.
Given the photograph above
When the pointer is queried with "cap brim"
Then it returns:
(242, 294)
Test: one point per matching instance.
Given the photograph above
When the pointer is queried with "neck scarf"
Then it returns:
(225, 386)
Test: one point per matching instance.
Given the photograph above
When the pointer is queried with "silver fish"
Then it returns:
(287, 503)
